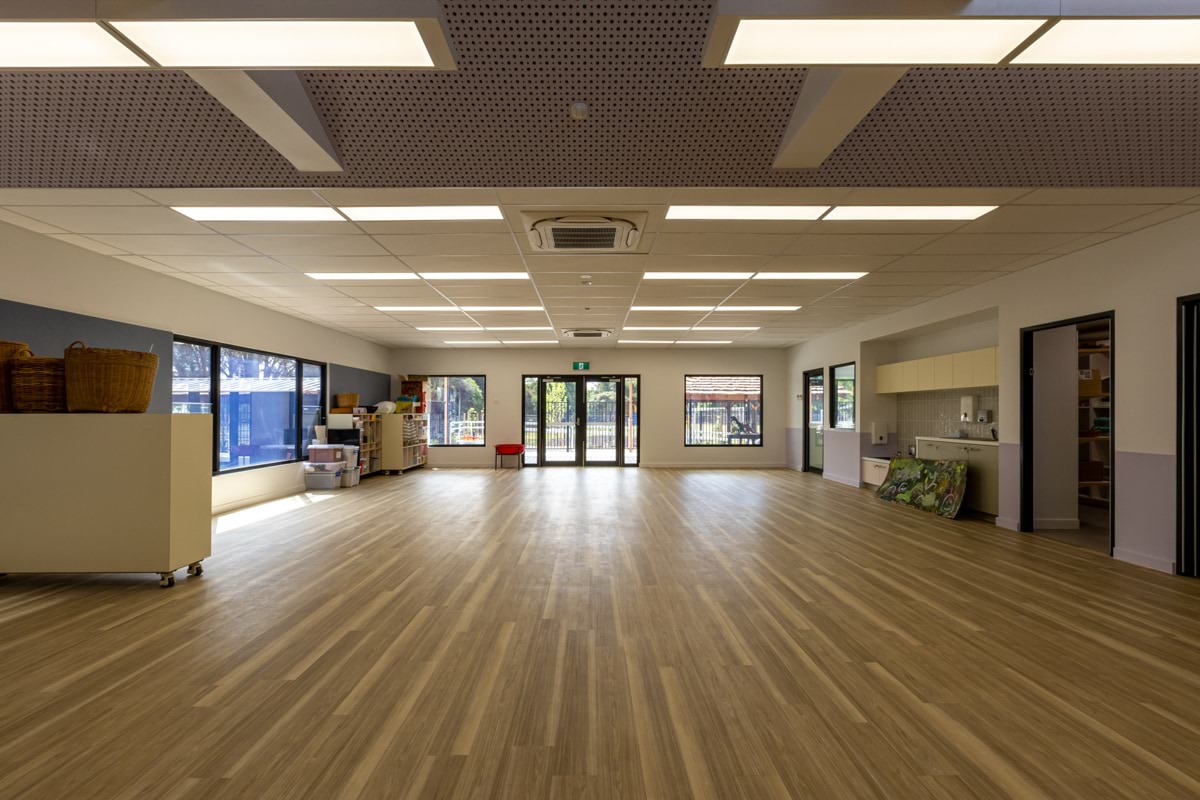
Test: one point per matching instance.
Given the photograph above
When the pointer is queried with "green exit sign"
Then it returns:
(579, 365)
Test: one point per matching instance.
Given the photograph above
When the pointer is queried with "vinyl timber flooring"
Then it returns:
(562, 633)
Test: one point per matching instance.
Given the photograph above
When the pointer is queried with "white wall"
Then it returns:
(661, 372)
(957, 339)
(41, 271)
(1139, 275)
(1055, 428)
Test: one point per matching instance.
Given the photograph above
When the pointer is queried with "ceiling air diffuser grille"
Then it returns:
(584, 234)
(583, 238)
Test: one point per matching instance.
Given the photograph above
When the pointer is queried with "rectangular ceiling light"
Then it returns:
(697, 276)
(530, 341)
(523, 328)
(671, 308)
(727, 328)
(1116, 41)
(362, 276)
(747, 212)
(420, 213)
(451, 329)
(260, 213)
(417, 308)
(877, 41)
(644, 341)
(712, 342)
(50, 45)
(758, 308)
(657, 328)
(242, 44)
(476, 341)
(475, 276)
(808, 276)
(908, 213)
(502, 308)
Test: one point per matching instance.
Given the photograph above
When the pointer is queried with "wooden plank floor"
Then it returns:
(605, 634)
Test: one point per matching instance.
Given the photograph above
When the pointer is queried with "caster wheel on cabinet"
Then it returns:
(166, 581)
(196, 569)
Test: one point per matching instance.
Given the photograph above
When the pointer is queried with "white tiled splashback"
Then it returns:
(937, 413)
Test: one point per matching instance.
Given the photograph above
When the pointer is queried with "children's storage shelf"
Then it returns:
(405, 441)
(107, 493)
(370, 455)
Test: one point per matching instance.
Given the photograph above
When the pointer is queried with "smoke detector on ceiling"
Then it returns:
(584, 234)
(587, 333)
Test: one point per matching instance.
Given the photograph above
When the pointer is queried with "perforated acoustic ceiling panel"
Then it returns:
(656, 118)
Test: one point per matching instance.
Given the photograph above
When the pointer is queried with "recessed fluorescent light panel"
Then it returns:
(712, 342)
(758, 308)
(530, 341)
(747, 212)
(450, 329)
(49, 45)
(877, 41)
(502, 308)
(697, 276)
(478, 341)
(1116, 41)
(279, 43)
(523, 328)
(727, 328)
(475, 276)
(417, 308)
(260, 213)
(644, 341)
(657, 328)
(808, 276)
(908, 213)
(361, 276)
(420, 213)
(671, 308)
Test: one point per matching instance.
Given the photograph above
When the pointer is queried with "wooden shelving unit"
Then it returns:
(1095, 441)
(370, 454)
(405, 441)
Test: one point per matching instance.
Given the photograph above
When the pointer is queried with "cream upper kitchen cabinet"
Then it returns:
(954, 371)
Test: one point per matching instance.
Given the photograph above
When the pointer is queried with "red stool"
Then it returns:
(503, 450)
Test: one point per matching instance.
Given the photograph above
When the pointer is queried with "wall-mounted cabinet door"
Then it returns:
(983, 367)
(943, 372)
(925, 373)
(962, 371)
(910, 376)
(885, 379)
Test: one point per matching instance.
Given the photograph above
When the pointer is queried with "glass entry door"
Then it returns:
(581, 420)
(814, 415)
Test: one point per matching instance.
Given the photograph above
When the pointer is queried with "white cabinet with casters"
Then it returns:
(983, 468)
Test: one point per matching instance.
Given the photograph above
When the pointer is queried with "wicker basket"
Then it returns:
(9, 351)
(346, 400)
(110, 381)
(39, 385)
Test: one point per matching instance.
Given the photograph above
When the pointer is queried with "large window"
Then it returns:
(843, 394)
(266, 406)
(457, 404)
(723, 410)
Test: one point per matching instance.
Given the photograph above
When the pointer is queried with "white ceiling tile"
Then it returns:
(440, 196)
(996, 243)
(495, 226)
(317, 245)
(299, 302)
(87, 243)
(494, 263)
(258, 278)
(145, 263)
(233, 197)
(957, 263)
(294, 292)
(1055, 219)
(1083, 241)
(175, 245)
(203, 264)
(1095, 195)
(930, 196)
(28, 223)
(1163, 215)
(915, 278)
(464, 244)
(72, 197)
(112, 219)
(283, 228)
(693, 226)
(720, 244)
(854, 245)
(402, 293)
(754, 196)
(585, 264)
(600, 199)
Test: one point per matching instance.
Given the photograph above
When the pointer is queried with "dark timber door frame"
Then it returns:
(1187, 450)
(1027, 411)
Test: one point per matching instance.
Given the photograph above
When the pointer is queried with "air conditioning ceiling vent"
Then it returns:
(587, 333)
(584, 234)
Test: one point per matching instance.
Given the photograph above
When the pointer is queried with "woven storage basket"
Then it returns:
(39, 385)
(346, 400)
(9, 351)
(110, 381)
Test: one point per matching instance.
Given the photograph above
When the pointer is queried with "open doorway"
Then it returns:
(1067, 476)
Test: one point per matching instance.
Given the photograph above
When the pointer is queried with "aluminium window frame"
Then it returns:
(214, 390)
(762, 403)
(831, 395)
(484, 387)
